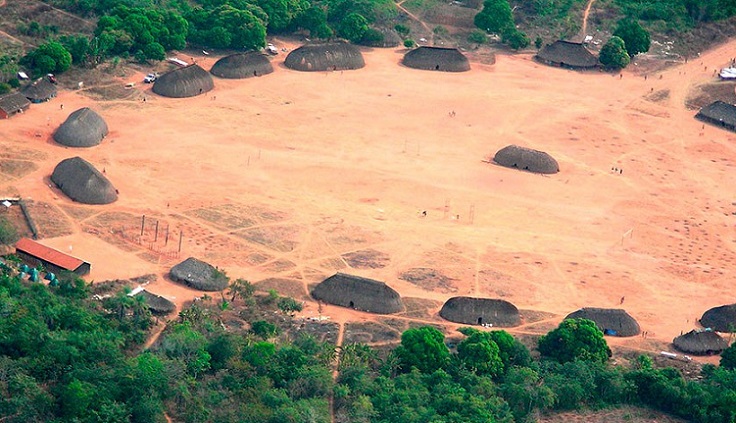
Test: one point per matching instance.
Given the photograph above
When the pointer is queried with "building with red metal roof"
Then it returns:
(52, 260)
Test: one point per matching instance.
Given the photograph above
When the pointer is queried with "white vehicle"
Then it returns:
(151, 77)
(728, 73)
(271, 49)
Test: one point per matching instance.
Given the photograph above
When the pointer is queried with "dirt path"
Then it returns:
(584, 29)
(400, 6)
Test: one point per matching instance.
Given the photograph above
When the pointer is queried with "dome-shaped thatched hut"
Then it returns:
(359, 293)
(81, 182)
(83, 128)
(199, 275)
(700, 342)
(721, 319)
(324, 57)
(479, 311)
(40, 90)
(567, 54)
(612, 321)
(437, 59)
(526, 159)
(188, 81)
(156, 303)
(242, 65)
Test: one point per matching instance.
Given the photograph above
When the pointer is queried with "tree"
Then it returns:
(48, 57)
(78, 46)
(575, 339)
(515, 39)
(241, 288)
(636, 39)
(495, 17)
(423, 348)
(289, 305)
(613, 54)
(477, 37)
(728, 357)
(353, 27)
(154, 51)
(481, 354)
(523, 391)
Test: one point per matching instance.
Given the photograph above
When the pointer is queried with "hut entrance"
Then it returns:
(480, 320)
(351, 305)
(437, 67)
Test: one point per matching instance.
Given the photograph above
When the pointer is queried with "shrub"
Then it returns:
(409, 43)
(4, 88)
(8, 234)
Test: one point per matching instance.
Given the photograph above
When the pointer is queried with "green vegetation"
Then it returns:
(47, 58)
(496, 18)
(635, 38)
(8, 233)
(575, 339)
(613, 54)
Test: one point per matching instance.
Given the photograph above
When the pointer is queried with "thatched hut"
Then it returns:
(242, 65)
(721, 319)
(324, 57)
(480, 311)
(188, 81)
(83, 128)
(437, 59)
(612, 321)
(156, 303)
(700, 342)
(359, 293)
(567, 54)
(80, 181)
(199, 275)
(526, 159)
(39, 91)
(720, 114)
(13, 103)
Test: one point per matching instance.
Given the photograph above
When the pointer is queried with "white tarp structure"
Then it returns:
(728, 73)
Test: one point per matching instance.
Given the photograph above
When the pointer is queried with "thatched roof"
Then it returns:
(81, 182)
(567, 54)
(199, 275)
(612, 321)
(13, 103)
(476, 311)
(83, 128)
(719, 113)
(437, 58)
(242, 65)
(700, 342)
(526, 159)
(721, 319)
(324, 57)
(358, 293)
(188, 81)
(156, 303)
(40, 90)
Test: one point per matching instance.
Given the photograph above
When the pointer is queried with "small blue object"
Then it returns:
(609, 332)
(34, 275)
(24, 268)
(49, 276)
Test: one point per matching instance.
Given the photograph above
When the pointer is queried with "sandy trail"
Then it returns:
(586, 13)
(291, 175)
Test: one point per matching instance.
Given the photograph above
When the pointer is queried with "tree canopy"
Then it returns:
(635, 37)
(423, 348)
(575, 339)
(613, 54)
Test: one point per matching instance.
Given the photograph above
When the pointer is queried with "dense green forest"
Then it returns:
(68, 356)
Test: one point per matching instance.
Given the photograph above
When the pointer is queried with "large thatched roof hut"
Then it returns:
(188, 81)
(81, 182)
(567, 54)
(526, 159)
(480, 311)
(700, 342)
(612, 321)
(359, 293)
(242, 65)
(324, 57)
(199, 275)
(720, 114)
(83, 128)
(40, 90)
(437, 59)
(721, 319)
(156, 303)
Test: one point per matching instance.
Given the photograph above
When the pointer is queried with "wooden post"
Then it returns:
(155, 237)
(181, 235)
(143, 224)
(166, 240)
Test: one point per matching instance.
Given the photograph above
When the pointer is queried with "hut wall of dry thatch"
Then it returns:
(526, 159)
(567, 54)
(83, 128)
(477, 311)
(325, 57)
(359, 293)
(721, 319)
(80, 181)
(700, 342)
(242, 65)
(437, 59)
(183, 82)
(616, 322)
(719, 113)
(199, 275)
(156, 303)
(39, 91)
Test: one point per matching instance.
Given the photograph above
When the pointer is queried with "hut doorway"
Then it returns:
(351, 305)
(437, 67)
(480, 320)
